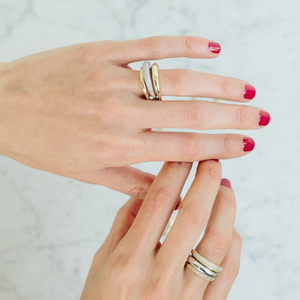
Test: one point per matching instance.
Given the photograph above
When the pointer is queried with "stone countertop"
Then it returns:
(50, 226)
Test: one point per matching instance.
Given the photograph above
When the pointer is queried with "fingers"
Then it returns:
(127, 180)
(201, 115)
(193, 214)
(187, 146)
(181, 82)
(120, 227)
(159, 47)
(197, 84)
(218, 235)
(219, 289)
(158, 206)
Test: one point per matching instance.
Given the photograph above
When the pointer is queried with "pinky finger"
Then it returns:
(220, 288)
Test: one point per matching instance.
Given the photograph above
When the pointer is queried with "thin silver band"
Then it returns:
(148, 80)
(194, 262)
(199, 272)
(213, 267)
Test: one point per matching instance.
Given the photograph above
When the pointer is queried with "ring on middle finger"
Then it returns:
(149, 81)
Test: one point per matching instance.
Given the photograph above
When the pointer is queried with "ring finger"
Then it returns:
(217, 237)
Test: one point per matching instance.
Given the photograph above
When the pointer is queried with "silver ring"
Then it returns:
(148, 80)
(199, 272)
(194, 262)
(205, 262)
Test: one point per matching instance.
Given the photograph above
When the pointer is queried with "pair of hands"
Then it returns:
(79, 111)
(133, 264)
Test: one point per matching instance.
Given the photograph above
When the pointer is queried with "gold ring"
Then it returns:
(154, 73)
(142, 79)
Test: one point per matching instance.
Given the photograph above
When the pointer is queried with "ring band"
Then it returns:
(154, 72)
(146, 93)
(199, 273)
(195, 263)
(213, 267)
(148, 80)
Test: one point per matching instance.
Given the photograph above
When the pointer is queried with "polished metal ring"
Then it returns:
(199, 272)
(154, 73)
(213, 267)
(194, 262)
(148, 80)
(146, 93)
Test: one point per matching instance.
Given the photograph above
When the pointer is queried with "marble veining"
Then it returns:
(50, 227)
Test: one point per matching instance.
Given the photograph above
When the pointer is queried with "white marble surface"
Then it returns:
(51, 226)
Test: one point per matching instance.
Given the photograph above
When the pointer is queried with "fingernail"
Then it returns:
(226, 182)
(216, 160)
(248, 144)
(249, 91)
(214, 47)
(264, 118)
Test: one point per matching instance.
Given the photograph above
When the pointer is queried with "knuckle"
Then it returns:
(190, 44)
(160, 198)
(227, 201)
(219, 243)
(153, 46)
(178, 80)
(195, 115)
(138, 191)
(212, 170)
(241, 116)
(232, 270)
(226, 145)
(184, 165)
(189, 147)
(192, 217)
(225, 87)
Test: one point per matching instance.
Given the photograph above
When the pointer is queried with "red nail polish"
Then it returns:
(214, 47)
(264, 118)
(248, 144)
(226, 182)
(249, 91)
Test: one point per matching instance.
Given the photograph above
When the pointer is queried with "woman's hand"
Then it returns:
(79, 111)
(132, 264)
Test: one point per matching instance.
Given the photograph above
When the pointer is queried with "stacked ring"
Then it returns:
(202, 267)
(149, 81)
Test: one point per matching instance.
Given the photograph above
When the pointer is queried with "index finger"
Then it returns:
(159, 47)
(158, 205)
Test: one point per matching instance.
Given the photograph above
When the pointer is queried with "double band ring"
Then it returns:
(149, 81)
(202, 267)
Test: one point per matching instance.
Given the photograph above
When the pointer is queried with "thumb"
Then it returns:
(127, 180)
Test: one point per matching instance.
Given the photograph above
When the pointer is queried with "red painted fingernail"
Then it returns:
(214, 47)
(249, 91)
(248, 144)
(226, 182)
(264, 118)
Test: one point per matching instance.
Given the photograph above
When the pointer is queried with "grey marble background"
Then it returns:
(50, 226)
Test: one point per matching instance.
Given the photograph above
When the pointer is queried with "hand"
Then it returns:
(133, 264)
(78, 111)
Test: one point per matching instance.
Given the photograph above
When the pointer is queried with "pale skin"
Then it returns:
(132, 263)
(79, 111)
